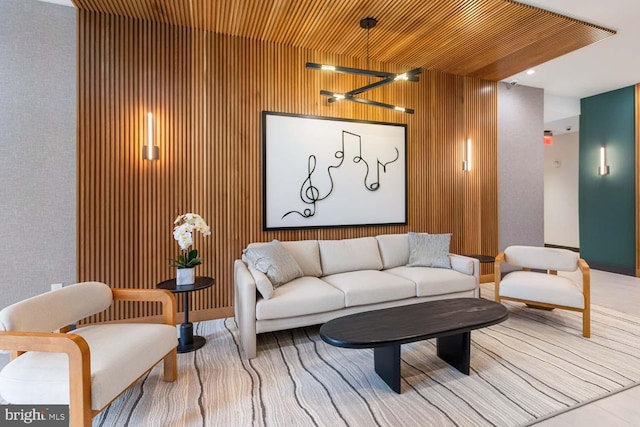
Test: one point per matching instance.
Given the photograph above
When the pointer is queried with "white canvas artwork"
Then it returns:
(325, 172)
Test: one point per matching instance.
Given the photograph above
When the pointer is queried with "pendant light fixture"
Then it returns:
(387, 78)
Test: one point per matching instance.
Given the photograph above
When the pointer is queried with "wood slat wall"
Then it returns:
(207, 92)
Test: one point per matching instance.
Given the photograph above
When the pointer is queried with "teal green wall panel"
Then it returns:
(607, 203)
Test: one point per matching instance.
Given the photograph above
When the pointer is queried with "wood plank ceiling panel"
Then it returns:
(488, 39)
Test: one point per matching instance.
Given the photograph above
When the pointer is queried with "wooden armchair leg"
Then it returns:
(82, 417)
(80, 412)
(586, 323)
(171, 366)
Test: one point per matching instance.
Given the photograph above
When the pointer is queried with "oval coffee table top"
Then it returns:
(415, 322)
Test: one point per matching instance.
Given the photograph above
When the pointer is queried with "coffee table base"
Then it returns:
(386, 361)
(456, 350)
(453, 349)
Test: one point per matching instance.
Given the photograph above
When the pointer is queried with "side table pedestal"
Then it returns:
(187, 342)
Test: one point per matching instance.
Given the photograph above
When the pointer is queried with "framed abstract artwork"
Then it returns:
(328, 172)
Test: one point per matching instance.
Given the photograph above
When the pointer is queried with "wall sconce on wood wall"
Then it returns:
(150, 151)
(466, 155)
(603, 168)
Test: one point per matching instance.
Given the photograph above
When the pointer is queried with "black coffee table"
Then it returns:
(450, 321)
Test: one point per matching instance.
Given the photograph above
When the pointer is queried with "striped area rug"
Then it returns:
(533, 365)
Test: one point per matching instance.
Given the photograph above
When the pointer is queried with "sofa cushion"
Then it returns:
(304, 295)
(118, 356)
(307, 254)
(429, 250)
(394, 249)
(339, 256)
(542, 287)
(435, 281)
(541, 258)
(371, 286)
(274, 261)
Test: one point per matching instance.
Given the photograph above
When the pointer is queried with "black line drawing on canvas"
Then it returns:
(312, 195)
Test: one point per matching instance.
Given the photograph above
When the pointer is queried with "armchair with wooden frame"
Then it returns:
(88, 367)
(538, 284)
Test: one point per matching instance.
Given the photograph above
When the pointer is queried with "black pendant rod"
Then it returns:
(411, 76)
(333, 98)
(348, 70)
(387, 78)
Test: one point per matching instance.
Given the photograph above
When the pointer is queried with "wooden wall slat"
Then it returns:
(207, 92)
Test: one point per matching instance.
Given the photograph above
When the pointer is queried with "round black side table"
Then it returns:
(187, 341)
(484, 259)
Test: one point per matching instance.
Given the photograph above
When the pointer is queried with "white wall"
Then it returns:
(560, 107)
(520, 166)
(561, 226)
(37, 147)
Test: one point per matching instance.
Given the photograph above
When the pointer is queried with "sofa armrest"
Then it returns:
(244, 287)
(150, 295)
(466, 265)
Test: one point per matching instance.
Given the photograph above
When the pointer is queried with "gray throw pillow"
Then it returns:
(429, 250)
(275, 262)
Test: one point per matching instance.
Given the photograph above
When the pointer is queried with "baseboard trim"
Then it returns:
(547, 245)
(611, 268)
(209, 314)
(194, 316)
(486, 278)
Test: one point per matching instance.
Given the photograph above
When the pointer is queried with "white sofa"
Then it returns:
(342, 277)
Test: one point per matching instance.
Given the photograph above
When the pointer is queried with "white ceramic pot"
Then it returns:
(185, 276)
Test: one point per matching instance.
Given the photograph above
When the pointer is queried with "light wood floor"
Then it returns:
(621, 293)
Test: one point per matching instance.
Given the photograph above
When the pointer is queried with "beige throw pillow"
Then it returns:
(275, 262)
(429, 250)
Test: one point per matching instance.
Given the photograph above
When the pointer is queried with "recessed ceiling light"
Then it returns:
(531, 71)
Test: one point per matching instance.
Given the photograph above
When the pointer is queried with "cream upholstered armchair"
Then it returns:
(89, 367)
(545, 290)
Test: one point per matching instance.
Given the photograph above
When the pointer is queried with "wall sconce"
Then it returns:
(150, 151)
(466, 155)
(603, 168)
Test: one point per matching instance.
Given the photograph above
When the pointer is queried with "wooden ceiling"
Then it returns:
(489, 39)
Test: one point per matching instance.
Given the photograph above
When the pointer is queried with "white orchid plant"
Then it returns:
(184, 227)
